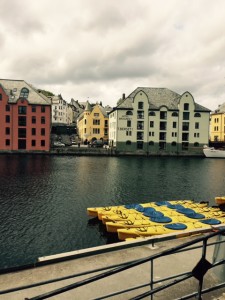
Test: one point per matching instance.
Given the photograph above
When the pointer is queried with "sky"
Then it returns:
(97, 50)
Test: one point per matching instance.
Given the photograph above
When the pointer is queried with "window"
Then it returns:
(129, 113)
(96, 122)
(162, 126)
(196, 134)
(128, 123)
(7, 130)
(96, 114)
(128, 133)
(43, 131)
(33, 108)
(128, 142)
(186, 115)
(162, 146)
(186, 106)
(22, 110)
(185, 146)
(163, 115)
(42, 120)
(174, 124)
(151, 133)
(0, 96)
(85, 121)
(185, 126)
(42, 143)
(151, 143)
(173, 143)
(22, 121)
(22, 132)
(140, 135)
(196, 144)
(7, 107)
(24, 93)
(174, 134)
(140, 125)
(33, 143)
(33, 131)
(196, 125)
(43, 109)
(140, 114)
(33, 120)
(151, 113)
(162, 136)
(7, 142)
(139, 145)
(96, 130)
(106, 123)
(197, 115)
(185, 136)
(151, 124)
(7, 119)
(175, 114)
(140, 105)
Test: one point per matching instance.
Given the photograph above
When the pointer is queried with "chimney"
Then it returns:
(123, 97)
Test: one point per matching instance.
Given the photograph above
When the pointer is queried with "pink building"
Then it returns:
(25, 117)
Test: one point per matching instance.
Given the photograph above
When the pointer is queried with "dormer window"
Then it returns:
(24, 93)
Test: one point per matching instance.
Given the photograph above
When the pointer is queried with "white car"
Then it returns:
(58, 144)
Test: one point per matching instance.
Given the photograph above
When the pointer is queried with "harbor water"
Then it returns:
(43, 199)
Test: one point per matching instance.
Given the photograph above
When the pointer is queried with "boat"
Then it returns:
(220, 200)
(125, 233)
(211, 152)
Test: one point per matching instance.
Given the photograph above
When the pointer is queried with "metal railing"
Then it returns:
(198, 272)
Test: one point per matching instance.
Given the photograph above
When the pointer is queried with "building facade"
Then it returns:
(158, 121)
(61, 111)
(217, 124)
(92, 123)
(25, 117)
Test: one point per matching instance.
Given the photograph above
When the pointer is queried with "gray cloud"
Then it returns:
(100, 49)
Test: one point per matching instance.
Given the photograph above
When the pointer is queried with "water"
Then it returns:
(43, 199)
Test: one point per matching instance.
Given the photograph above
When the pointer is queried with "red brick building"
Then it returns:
(25, 117)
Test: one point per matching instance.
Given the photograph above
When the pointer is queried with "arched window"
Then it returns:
(151, 143)
(196, 144)
(24, 93)
(175, 114)
(129, 113)
(197, 115)
(140, 105)
(128, 142)
(151, 113)
(173, 143)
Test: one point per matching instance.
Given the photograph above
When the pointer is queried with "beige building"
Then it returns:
(158, 121)
(217, 124)
(92, 123)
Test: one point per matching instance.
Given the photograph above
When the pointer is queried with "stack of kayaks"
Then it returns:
(157, 218)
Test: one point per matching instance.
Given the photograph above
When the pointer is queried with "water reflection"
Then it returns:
(43, 199)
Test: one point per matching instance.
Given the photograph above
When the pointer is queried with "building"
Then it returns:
(217, 124)
(60, 111)
(92, 123)
(25, 117)
(158, 121)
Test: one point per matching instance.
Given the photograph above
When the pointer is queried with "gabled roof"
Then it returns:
(157, 97)
(14, 87)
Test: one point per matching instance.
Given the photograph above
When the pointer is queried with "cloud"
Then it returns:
(104, 48)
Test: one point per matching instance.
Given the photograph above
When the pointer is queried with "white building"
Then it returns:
(61, 111)
(158, 121)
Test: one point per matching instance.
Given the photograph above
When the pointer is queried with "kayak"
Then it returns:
(125, 233)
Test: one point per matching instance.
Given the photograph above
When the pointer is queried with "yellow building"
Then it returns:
(217, 125)
(92, 123)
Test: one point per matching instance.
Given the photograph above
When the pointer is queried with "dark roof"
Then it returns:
(157, 97)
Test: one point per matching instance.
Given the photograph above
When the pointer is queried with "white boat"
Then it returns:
(212, 152)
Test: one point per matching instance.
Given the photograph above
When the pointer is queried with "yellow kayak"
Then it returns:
(126, 233)
(135, 223)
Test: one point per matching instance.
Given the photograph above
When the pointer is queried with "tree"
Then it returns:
(46, 93)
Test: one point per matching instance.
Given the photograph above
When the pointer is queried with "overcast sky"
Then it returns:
(97, 50)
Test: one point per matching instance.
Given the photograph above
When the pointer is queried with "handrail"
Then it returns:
(112, 270)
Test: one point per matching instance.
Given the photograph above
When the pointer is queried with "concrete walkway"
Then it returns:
(163, 267)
